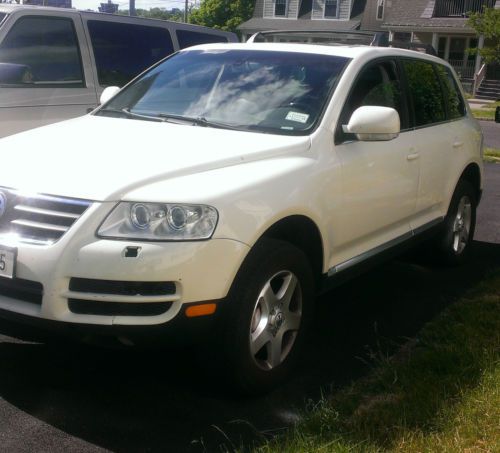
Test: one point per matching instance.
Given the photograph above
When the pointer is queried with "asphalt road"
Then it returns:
(83, 399)
(491, 131)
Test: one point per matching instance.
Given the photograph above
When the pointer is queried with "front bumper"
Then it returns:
(180, 331)
(193, 271)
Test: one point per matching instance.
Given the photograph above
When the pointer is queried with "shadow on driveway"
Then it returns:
(162, 401)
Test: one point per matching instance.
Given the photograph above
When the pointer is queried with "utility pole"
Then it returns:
(186, 11)
(131, 8)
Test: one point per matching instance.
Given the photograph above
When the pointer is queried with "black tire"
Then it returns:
(271, 265)
(453, 243)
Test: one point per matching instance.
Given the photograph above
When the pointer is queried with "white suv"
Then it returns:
(219, 191)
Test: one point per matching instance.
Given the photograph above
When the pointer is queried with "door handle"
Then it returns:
(412, 156)
(458, 144)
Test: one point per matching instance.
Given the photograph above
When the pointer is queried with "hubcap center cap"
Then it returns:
(276, 321)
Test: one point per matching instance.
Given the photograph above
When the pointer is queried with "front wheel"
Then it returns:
(269, 310)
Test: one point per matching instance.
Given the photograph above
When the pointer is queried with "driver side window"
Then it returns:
(378, 85)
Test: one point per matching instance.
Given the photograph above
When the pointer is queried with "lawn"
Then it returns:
(439, 393)
(491, 155)
(487, 112)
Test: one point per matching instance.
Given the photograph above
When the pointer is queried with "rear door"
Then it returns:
(435, 137)
(51, 79)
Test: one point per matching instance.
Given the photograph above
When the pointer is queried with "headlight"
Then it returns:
(159, 222)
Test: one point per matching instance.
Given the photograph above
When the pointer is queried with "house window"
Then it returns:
(331, 8)
(380, 9)
(280, 7)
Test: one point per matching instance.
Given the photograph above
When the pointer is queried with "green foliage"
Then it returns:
(222, 14)
(487, 23)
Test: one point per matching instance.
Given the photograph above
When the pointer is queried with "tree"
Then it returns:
(222, 14)
(487, 24)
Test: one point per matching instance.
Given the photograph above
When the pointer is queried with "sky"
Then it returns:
(142, 4)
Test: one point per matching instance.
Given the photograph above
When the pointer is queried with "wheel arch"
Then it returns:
(472, 174)
(303, 233)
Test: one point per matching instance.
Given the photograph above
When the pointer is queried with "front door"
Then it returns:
(379, 178)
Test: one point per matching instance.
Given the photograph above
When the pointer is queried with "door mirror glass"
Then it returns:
(374, 123)
(107, 94)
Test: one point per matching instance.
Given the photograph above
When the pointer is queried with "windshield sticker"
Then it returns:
(297, 117)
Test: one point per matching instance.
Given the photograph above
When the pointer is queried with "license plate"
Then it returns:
(7, 261)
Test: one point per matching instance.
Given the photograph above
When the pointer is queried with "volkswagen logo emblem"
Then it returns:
(3, 204)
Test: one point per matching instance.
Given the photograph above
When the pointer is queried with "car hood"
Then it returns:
(102, 159)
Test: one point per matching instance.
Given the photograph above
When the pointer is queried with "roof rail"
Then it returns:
(428, 48)
(347, 37)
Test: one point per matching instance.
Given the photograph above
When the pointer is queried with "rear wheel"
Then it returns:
(268, 314)
(453, 244)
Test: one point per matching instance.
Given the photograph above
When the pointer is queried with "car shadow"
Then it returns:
(129, 400)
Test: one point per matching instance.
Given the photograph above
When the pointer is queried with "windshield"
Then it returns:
(265, 91)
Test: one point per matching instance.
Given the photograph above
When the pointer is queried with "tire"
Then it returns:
(268, 312)
(453, 244)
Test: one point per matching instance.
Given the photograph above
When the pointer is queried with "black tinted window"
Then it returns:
(122, 51)
(454, 100)
(2, 17)
(425, 92)
(189, 38)
(377, 85)
(42, 50)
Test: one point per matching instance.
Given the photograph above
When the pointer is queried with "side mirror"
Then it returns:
(374, 123)
(15, 74)
(107, 94)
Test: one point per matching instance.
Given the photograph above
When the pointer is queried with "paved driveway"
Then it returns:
(77, 398)
(491, 131)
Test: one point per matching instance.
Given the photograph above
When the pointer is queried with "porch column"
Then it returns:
(435, 41)
(447, 48)
(480, 45)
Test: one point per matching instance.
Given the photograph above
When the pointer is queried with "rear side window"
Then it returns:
(453, 97)
(189, 38)
(41, 51)
(2, 17)
(123, 51)
(425, 92)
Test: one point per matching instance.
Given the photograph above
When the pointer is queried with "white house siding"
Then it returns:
(293, 9)
(268, 8)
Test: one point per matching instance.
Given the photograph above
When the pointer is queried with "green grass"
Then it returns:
(439, 393)
(487, 112)
(491, 155)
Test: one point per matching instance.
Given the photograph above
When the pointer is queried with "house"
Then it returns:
(304, 15)
(440, 23)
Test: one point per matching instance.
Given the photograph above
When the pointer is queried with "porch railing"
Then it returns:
(460, 8)
(463, 69)
(478, 79)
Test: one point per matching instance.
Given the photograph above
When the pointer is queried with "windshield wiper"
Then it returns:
(198, 121)
(173, 118)
(127, 113)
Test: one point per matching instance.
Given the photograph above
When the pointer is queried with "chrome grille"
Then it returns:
(41, 219)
